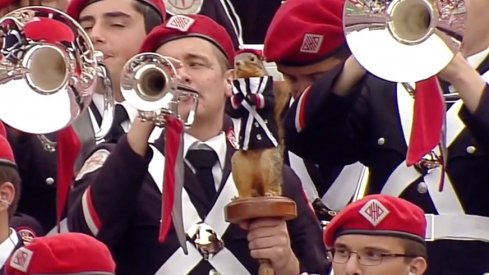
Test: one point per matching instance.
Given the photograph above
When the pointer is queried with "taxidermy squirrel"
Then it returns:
(257, 165)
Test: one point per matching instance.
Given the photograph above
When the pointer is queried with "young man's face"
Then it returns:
(372, 248)
(202, 71)
(117, 29)
(301, 77)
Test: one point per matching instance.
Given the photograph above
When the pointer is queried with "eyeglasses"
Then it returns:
(366, 257)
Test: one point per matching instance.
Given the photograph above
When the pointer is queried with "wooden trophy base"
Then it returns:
(244, 209)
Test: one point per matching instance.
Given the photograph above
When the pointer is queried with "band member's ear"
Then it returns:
(7, 193)
(418, 266)
(229, 75)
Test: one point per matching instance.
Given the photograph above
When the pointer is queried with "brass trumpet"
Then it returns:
(149, 83)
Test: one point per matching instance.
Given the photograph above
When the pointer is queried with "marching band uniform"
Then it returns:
(119, 202)
(128, 220)
(330, 186)
(37, 168)
(372, 125)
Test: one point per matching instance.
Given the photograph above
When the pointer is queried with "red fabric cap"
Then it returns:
(58, 31)
(76, 6)
(65, 253)
(303, 32)
(6, 3)
(6, 153)
(195, 25)
(378, 215)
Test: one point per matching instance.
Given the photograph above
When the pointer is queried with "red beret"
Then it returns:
(192, 25)
(378, 215)
(76, 6)
(67, 253)
(304, 32)
(6, 153)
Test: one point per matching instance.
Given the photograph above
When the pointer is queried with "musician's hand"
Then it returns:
(466, 80)
(269, 239)
(138, 135)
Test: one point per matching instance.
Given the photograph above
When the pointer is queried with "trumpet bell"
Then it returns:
(404, 40)
(44, 86)
(149, 84)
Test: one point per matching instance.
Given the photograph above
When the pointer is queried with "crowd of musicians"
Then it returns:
(338, 126)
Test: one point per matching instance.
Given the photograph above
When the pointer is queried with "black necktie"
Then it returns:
(116, 131)
(203, 161)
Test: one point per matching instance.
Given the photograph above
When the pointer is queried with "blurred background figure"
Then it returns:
(9, 198)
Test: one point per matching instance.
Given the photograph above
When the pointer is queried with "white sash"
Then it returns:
(447, 201)
(63, 228)
(223, 262)
(339, 193)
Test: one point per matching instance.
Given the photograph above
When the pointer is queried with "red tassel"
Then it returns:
(429, 113)
(68, 149)
(173, 132)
